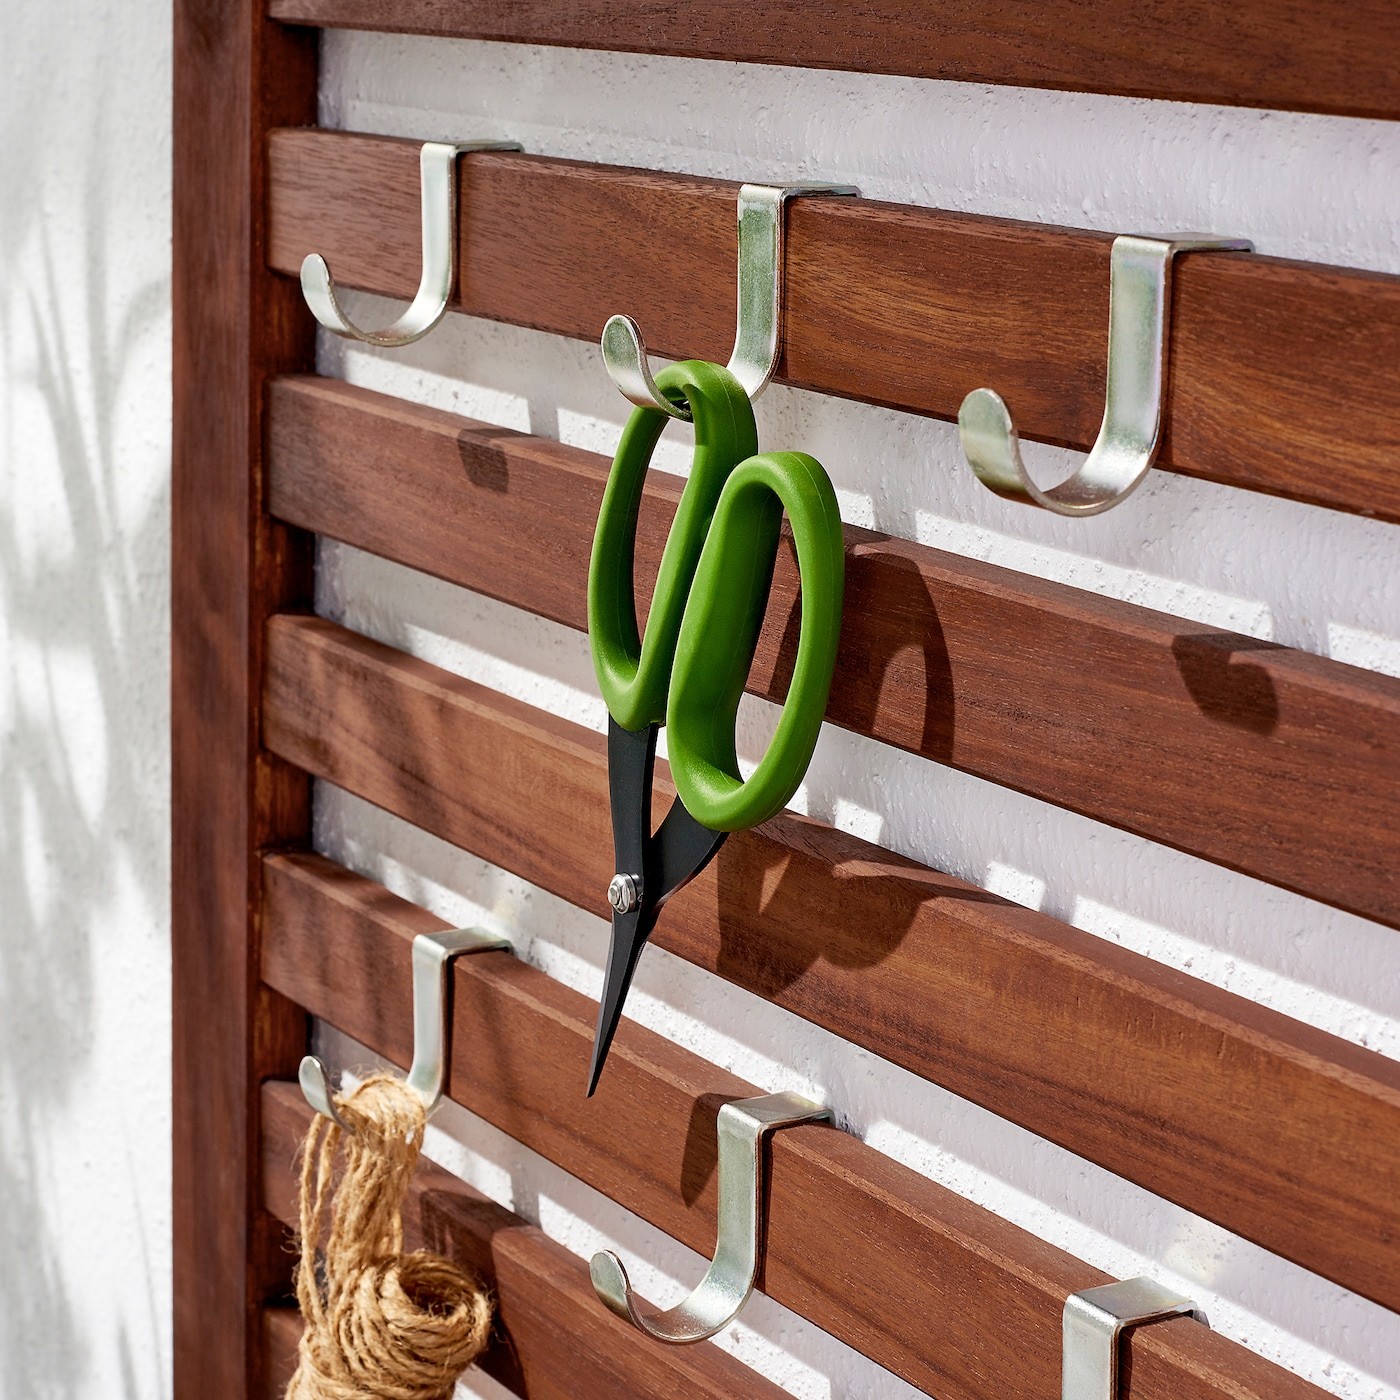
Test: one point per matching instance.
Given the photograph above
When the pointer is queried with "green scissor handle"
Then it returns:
(719, 635)
(711, 591)
(635, 675)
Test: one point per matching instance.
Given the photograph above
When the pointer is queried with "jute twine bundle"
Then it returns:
(380, 1324)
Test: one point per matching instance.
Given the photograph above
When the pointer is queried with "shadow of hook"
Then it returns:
(1224, 686)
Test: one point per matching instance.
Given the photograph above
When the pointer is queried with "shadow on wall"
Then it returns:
(84, 772)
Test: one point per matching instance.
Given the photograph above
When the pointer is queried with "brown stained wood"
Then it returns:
(281, 1333)
(1255, 756)
(236, 76)
(1280, 377)
(1294, 54)
(553, 1339)
(1276, 1131)
(947, 1295)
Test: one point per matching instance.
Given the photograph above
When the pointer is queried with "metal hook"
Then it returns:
(1094, 1319)
(1139, 320)
(433, 956)
(730, 1279)
(437, 164)
(758, 337)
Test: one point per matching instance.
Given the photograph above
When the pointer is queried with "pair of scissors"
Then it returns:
(688, 671)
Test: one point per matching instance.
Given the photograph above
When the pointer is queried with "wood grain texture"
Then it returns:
(552, 1339)
(281, 1334)
(1272, 1129)
(236, 76)
(947, 1295)
(1252, 755)
(1280, 374)
(1293, 54)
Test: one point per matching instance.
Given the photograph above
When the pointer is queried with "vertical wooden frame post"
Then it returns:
(237, 75)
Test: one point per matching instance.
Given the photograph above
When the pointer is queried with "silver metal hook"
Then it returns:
(1093, 1322)
(433, 956)
(730, 1279)
(437, 164)
(1139, 322)
(758, 337)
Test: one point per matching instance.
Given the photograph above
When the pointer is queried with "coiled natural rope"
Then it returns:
(379, 1324)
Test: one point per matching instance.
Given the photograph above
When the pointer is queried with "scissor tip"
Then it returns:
(609, 1017)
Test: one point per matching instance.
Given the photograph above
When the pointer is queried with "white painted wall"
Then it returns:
(84, 219)
(84, 776)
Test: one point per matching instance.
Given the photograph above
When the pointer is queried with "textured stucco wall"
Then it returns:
(1301, 186)
(84, 776)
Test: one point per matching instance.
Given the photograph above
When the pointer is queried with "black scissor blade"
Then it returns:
(679, 851)
(661, 864)
(631, 761)
(629, 937)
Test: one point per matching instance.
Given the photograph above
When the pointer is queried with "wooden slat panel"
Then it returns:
(1258, 757)
(1298, 54)
(947, 1295)
(553, 1340)
(1274, 1130)
(1281, 371)
(234, 325)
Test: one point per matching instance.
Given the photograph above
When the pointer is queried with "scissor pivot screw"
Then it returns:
(625, 893)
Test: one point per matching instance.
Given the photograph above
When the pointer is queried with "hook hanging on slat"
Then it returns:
(433, 956)
(1139, 324)
(1093, 1323)
(758, 336)
(437, 164)
(738, 1247)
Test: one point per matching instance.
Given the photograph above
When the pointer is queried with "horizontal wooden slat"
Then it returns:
(1274, 1130)
(1281, 372)
(552, 1338)
(1297, 54)
(947, 1295)
(281, 1334)
(1255, 756)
